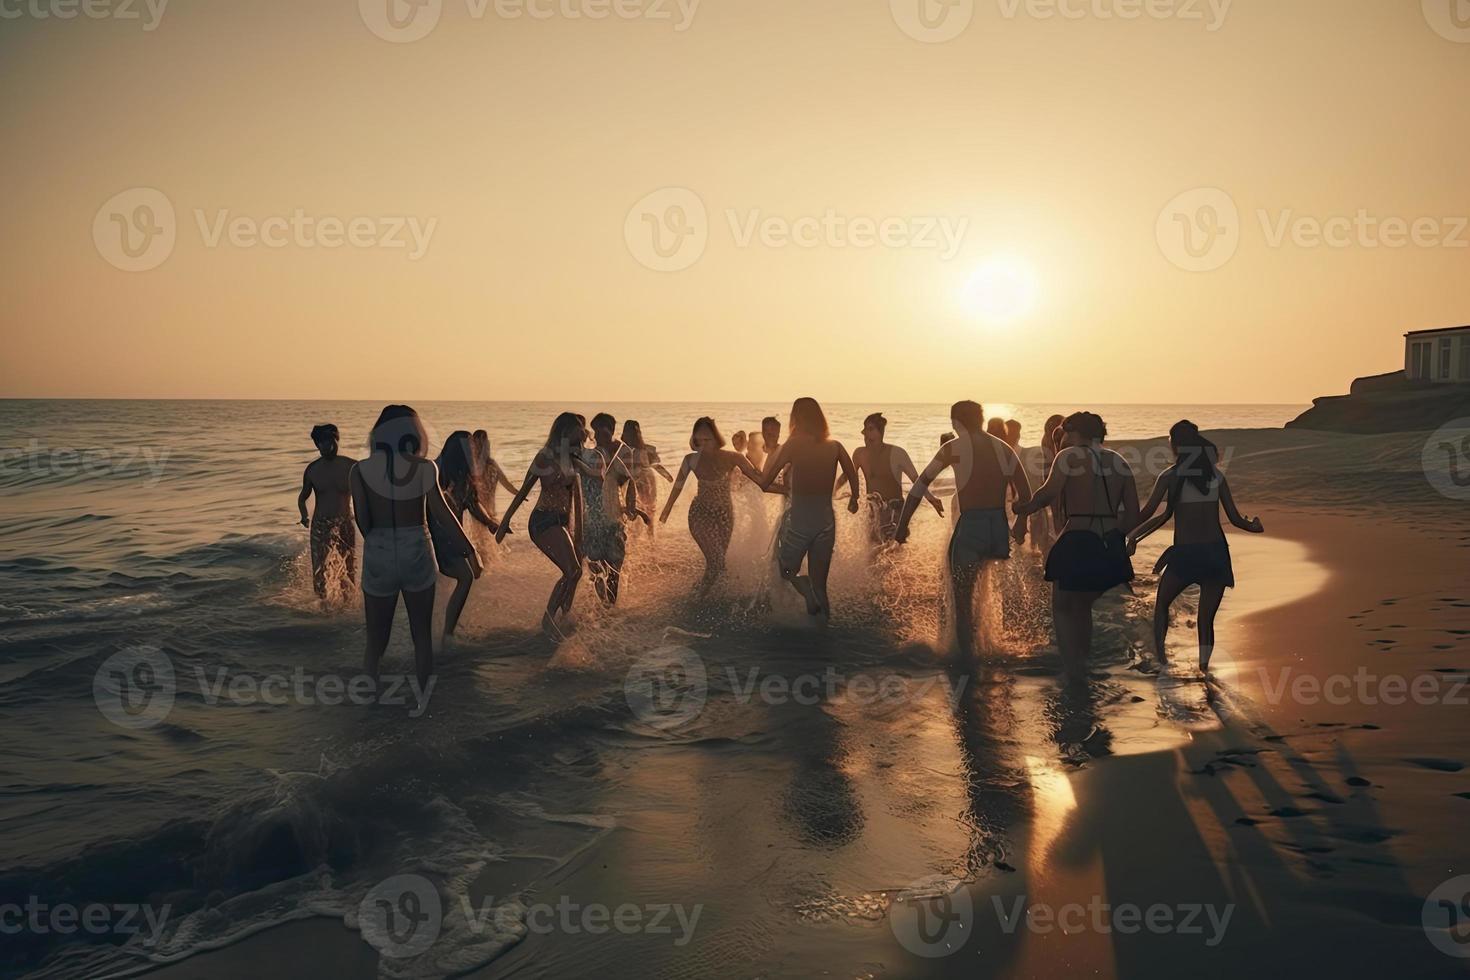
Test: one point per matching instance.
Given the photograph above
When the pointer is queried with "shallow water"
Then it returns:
(166, 531)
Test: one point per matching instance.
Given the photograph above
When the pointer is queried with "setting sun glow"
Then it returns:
(1002, 290)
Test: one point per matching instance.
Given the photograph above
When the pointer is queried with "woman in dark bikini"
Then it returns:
(462, 493)
(1193, 492)
(395, 491)
(711, 512)
(1100, 503)
(556, 522)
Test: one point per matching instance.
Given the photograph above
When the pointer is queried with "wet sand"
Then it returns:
(810, 836)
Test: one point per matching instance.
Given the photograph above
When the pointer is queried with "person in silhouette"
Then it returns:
(489, 474)
(395, 492)
(1099, 499)
(608, 498)
(556, 523)
(809, 528)
(1193, 492)
(984, 468)
(712, 512)
(462, 493)
(883, 468)
(644, 463)
(328, 478)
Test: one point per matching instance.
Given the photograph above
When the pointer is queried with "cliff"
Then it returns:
(1387, 403)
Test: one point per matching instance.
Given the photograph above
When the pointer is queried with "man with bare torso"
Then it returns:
(331, 519)
(984, 467)
(883, 467)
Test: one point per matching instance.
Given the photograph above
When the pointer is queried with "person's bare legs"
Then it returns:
(819, 566)
(378, 611)
(1209, 604)
(1072, 618)
(321, 547)
(1170, 586)
(420, 606)
(555, 543)
(713, 537)
(464, 578)
(964, 576)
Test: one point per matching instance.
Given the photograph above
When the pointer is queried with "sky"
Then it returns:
(1063, 201)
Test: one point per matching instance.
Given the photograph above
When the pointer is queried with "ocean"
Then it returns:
(184, 743)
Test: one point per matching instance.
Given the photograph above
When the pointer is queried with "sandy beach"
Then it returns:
(1294, 820)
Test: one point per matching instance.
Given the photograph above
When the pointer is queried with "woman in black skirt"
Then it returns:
(1193, 492)
(1099, 501)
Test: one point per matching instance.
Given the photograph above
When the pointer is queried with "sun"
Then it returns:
(1001, 290)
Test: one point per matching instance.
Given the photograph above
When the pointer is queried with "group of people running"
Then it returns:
(592, 484)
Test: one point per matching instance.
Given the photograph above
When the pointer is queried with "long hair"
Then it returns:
(567, 425)
(1194, 456)
(456, 470)
(808, 419)
(714, 430)
(399, 431)
(633, 434)
(1051, 436)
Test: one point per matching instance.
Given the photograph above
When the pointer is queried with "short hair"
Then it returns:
(325, 431)
(969, 414)
(770, 421)
(807, 418)
(1086, 424)
(602, 420)
(877, 421)
(714, 430)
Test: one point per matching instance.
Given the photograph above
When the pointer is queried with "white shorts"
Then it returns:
(397, 559)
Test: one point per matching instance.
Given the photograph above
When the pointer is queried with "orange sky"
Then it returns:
(827, 147)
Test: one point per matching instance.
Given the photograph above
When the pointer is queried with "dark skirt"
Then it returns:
(1082, 561)
(1207, 563)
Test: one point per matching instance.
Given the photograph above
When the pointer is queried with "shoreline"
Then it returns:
(1256, 812)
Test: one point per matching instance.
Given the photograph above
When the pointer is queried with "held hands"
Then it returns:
(1021, 510)
(1018, 530)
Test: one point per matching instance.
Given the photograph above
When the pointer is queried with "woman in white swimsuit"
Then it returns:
(395, 491)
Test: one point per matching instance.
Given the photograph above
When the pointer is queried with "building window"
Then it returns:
(1444, 358)
(1464, 359)
(1419, 361)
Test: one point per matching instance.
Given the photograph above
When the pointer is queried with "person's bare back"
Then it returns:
(328, 479)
